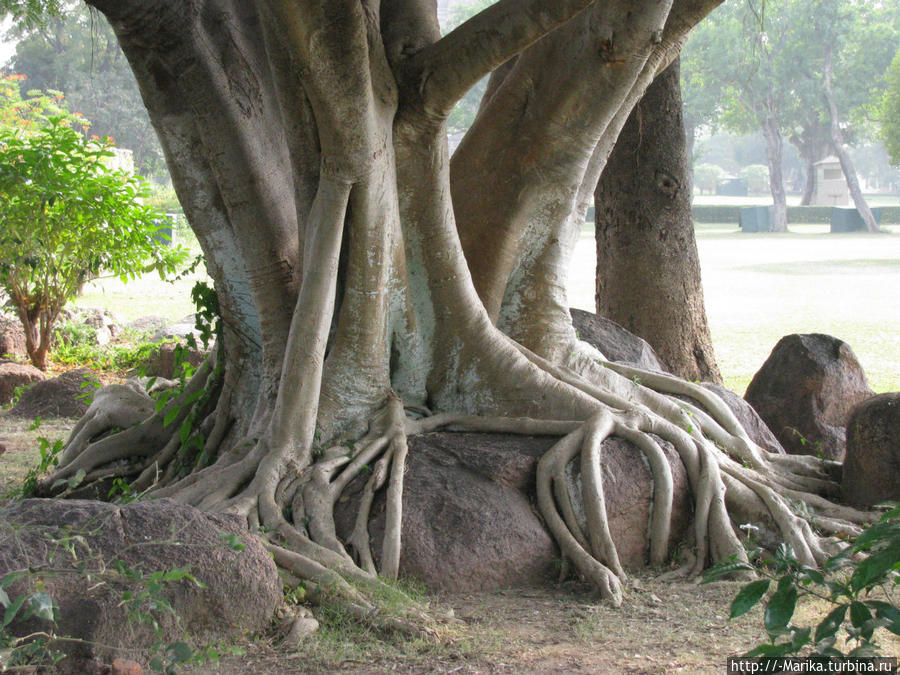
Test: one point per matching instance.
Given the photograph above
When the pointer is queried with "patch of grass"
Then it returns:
(23, 449)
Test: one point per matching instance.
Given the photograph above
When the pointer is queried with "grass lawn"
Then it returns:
(761, 287)
(758, 287)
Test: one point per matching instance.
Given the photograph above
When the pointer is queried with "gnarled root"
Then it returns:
(732, 481)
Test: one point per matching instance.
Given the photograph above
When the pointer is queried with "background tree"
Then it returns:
(76, 52)
(852, 45)
(777, 83)
(65, 216)
(648, 268)
(371, 289)
(890, 111)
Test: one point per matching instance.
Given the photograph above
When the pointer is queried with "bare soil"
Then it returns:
(662, 627)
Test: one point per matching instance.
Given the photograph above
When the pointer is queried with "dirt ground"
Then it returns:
(662, 627)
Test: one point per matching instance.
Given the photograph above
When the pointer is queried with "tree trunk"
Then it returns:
(837, 140)
(774, 155)
(648, 270)
(307, 143)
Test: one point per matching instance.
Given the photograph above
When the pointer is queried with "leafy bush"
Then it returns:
(67, 215)
(757, 177)
(707, 176)
(847, 582)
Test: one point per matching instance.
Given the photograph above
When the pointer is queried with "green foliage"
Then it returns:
(30, 13)
(889, 112)
(49, 452)
(757, 177)
(67, 217)
(848, 581)
(77, 53)
(75, 345)
(707, 176)
(18, 652)
(751, 62)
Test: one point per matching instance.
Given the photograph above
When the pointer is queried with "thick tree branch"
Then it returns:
(444, 71)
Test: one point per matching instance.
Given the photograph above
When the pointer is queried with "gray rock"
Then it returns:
(14, 375)
(469, 515)
(613, 341)
(68, 395)
(805, 391)
(78, 550)
(180, 329)
(104, 323)
(872, 465)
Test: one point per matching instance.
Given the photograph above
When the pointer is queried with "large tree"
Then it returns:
(371, 289)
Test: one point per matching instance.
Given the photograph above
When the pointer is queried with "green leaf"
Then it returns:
(886, 611)
(723, 569)
(780, 607)
(859, 614)
(874, 568)
(748, 596)
(170, 416)
(800, 638)
(781, 649)
(179, 652)
(41, 605)
(830, 624)
(12, 610)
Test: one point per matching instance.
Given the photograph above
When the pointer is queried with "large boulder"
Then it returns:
(88, 555)
(68, 395)
(469, 515)
(614, 342)
(805, 391)
(872, 465)
(12, 337)
(181, 329)
(14, 375)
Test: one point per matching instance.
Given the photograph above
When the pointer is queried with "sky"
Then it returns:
(7, 49)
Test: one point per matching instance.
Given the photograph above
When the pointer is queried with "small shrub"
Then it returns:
(847, 581)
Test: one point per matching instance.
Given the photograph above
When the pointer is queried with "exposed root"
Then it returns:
(292, 503)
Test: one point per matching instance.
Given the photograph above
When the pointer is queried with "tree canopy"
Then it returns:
(762, 66)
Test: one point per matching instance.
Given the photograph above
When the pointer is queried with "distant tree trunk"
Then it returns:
(648, 270)
(837, 139)
(809, 183)
(774, 154)
(813, 144)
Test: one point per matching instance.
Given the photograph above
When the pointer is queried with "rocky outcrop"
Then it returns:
(614, 342)
(15, 375)
(469, 520)
(97, 560)
(805, 391)
(12, 337)
(752, 423)
(68, 395)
